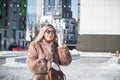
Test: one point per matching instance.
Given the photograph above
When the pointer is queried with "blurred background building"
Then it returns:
(59, 14)
(99, 25)
(12, 23)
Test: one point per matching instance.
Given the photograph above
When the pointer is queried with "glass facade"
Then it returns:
(3, 8)
(58, 8)
(12, 20)
(22, 11)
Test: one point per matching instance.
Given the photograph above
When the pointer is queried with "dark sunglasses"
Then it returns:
(50, 31)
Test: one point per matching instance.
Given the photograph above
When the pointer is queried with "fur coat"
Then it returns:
(39, 55)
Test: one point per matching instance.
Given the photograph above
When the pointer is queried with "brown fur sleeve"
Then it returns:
(33, 61)
(64, 55)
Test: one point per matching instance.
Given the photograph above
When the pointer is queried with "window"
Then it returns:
(72, 22)
(0, 40)
(66, 26)
(23, 36)
(14, 31)
(66, 21)
(71, 37)
(6, 22)
(5, 43)
(5, 33)
(18, 43)
(51, 3)
(22, 43)
(14, 25)
(64, 31)
(15, 15)
(60, 3)
(19, 35)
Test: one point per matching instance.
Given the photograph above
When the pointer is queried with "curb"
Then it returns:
(22, 59)
(16, 59)
(96, 54)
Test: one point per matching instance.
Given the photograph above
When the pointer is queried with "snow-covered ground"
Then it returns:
(84, 66)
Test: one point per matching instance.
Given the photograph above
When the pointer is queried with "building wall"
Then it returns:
(102, 43)
(99, 28)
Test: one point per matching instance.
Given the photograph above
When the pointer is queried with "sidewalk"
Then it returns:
(13, 58)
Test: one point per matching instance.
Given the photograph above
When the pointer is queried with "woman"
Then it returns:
(43, 51)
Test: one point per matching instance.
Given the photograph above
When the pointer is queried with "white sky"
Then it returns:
(75, 8)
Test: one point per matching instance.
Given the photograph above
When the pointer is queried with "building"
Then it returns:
(12, 23)
(58, 8)
(99, 28)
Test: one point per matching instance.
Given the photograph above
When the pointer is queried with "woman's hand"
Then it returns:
(64, 55)
(63, 46)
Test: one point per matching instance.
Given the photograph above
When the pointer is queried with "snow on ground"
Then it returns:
(7, 54)
(18, 59)
(93, 68)
(112, 64)
(84, 66)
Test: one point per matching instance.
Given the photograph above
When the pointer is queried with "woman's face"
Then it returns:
(49, 34)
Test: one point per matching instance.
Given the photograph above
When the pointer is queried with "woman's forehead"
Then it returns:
(50, 28)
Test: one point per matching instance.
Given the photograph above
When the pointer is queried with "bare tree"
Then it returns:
(30, 24)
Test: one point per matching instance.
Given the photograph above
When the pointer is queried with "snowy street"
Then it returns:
(84, 68)
(92, 68)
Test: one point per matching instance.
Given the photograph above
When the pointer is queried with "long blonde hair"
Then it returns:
(42, 31)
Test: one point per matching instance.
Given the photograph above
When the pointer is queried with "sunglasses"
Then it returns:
(50, 31)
